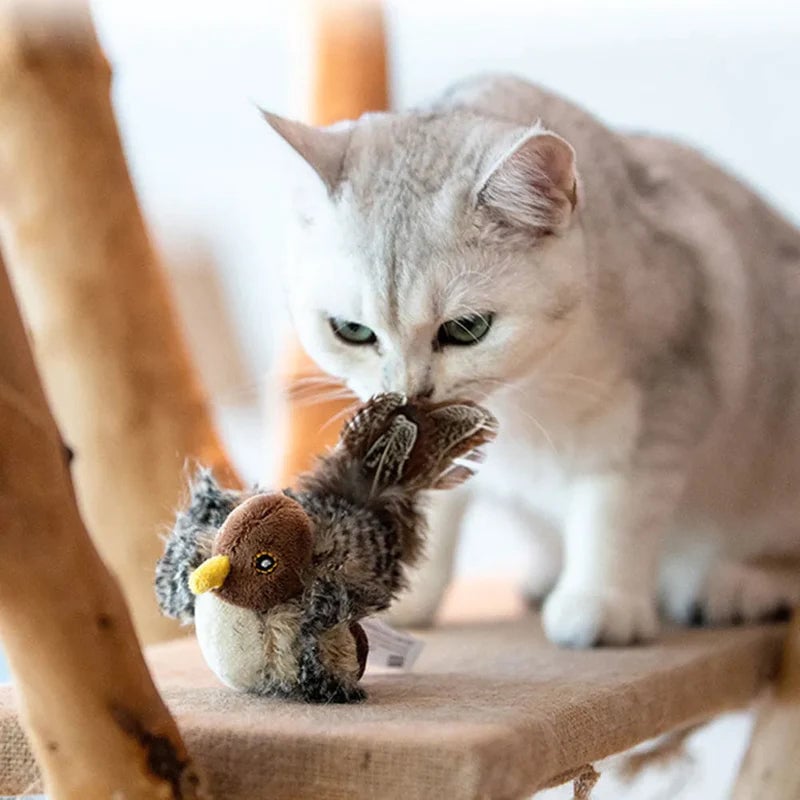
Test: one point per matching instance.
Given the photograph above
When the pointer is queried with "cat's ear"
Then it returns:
(323, 149)
(534, 185)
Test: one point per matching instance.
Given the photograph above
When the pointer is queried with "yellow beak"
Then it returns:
(210, 574)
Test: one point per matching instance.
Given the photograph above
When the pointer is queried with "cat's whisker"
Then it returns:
(318, 392)
(547, 386)
(481, 317)
(316, 382)
(593, 392)
(544, 433)
(602, 385)
(329, 397)
(314, 391)
(297, 388)
(526, 414)
(462, 326)
(314, 379)
(271, 381)
(339, 415)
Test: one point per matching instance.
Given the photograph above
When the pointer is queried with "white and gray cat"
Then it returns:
(629, 312)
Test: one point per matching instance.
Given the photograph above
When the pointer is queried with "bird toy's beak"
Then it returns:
(210, 574)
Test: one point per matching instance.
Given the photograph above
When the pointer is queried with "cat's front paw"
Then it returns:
(584, 618)
(732, 594)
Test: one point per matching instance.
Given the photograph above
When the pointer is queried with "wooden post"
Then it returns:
(105, 332)
(349, 59)
(97, 725)
(348, 78)
(771, 770)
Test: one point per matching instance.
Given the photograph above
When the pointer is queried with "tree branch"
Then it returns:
(107, 338)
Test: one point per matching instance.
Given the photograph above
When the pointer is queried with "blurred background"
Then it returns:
(723, 76)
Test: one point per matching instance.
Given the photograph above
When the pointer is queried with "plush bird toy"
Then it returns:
(276, 582)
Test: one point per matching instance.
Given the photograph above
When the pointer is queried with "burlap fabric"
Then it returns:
(491, 710)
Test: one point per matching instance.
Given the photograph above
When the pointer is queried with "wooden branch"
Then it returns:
(97, 724)
(103, 324)
(349, 78)
(770, 768)
(350, 73)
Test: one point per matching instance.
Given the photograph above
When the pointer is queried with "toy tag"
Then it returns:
(388, 648)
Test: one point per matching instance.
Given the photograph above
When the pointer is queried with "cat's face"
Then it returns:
(435, 256)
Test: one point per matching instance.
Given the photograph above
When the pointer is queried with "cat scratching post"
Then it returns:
(104, 329)
(349, 78)
(97, 725)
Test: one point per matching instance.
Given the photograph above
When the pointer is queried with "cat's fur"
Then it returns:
(643, 361)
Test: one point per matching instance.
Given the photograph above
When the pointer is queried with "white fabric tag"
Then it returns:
(388, 648)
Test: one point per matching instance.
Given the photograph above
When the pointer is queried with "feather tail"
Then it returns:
(415, 445)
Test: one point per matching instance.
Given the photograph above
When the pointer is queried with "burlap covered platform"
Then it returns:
(491, 710)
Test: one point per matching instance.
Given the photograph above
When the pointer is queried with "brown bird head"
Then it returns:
(259, 555)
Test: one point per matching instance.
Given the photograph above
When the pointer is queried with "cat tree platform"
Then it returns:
(491, 710)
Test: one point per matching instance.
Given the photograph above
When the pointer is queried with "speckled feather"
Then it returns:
(189, 543)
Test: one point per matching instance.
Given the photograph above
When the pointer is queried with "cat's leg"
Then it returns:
(544, 565)
(612, 544)
(515, 523)
(418, 605)
(545, 560)
(700, 586)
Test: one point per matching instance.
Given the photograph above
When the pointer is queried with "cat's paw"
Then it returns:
(543, 572)
(583, 618)
(732, 594)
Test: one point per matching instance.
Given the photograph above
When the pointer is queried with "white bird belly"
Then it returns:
(232, 642)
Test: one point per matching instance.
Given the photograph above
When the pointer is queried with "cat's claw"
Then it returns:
(584, 618)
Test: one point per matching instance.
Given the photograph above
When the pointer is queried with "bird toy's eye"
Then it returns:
(265, 562)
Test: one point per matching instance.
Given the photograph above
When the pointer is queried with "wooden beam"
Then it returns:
(349, 76)
(350, 71)
(104, 328)
(771, 770)
(96, 723)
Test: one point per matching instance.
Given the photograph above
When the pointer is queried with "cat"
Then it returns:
(627, 310)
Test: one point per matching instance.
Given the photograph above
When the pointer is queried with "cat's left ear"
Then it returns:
(534, 185)
(323, 149)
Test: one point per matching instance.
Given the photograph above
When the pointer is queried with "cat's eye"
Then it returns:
(352, 332)
(465, 330)
(265, 562)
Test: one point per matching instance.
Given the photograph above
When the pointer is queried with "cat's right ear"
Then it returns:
(323, 149)
(534, 185)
